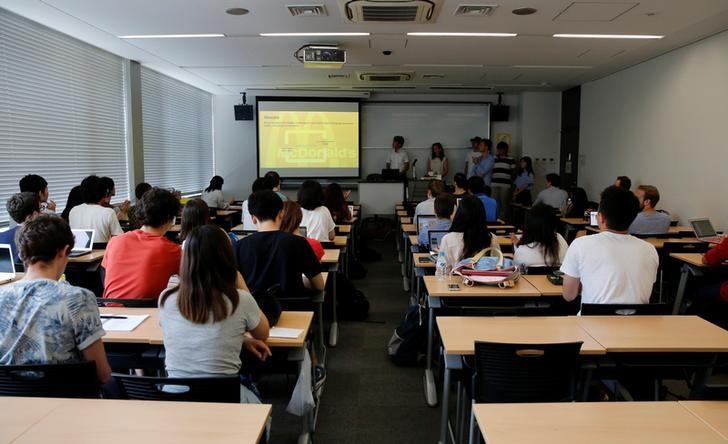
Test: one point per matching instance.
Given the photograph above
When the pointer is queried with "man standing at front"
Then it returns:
(398, 159)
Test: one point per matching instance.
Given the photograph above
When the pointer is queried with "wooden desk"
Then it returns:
(175, 229)
(293, 319)
(340, 241)
(21, 414)
(694, 259)
(439, 289)
(18, 276)
(592, 422)
(413, 239)
(344, 228)
(692, 265)
(331, 256)
(89, 421)
(575, 221)
(226, 213)
(409, 228)
(401, 213)
(406, 220)
(543, 285)
(689, 334)
(503, 241)
(712, 413)
(94, 256)
(428, 264)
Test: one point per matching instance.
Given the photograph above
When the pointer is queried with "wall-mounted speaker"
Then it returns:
(243, 112)
(499, 113)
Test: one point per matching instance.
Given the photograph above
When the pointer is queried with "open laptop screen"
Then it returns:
(83, 240)
(424, 219)
(703, 228)
(6, 260)
(435, 238)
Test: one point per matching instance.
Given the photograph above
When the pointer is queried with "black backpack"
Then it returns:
(408, 343)
(269, 304)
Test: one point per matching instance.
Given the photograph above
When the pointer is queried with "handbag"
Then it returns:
(488, 270)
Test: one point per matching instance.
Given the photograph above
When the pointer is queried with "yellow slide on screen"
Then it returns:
(317, 142)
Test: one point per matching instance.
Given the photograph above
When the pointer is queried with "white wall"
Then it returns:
(663, 122)
(541, 132)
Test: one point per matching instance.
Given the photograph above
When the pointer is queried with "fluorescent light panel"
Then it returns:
(313, 34)
(170, 36)
(462, 34)
(609, 36)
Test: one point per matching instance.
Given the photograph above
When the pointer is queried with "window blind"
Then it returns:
(177, 129)
(62, 111)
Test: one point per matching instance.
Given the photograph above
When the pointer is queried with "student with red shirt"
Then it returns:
(139, 263)
(291, 222)
(716, 257)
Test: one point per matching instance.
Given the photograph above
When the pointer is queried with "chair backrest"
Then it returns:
(657, 236)
(73, 380)
(506, 372)
(100, 245)
(218, 389)
(131, 303)
(682, 247)
(625, 309)
(542, 271)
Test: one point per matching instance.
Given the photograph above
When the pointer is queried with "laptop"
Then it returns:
(704, 230)
(435, 239)
(7, 267)
(422, 220)
(83, 242)
(593, 221)
(391, 174)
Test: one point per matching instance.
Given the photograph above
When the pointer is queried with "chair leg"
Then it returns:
(472, 430)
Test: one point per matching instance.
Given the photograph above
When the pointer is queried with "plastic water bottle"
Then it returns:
(441, 267)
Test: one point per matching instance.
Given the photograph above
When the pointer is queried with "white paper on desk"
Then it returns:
(129, 324)
(285, 333)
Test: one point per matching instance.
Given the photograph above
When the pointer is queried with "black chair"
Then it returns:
(100, 245)
(541, 271)
(217, 389)
(73, 380)
(625, 309)
(670, 267)
(130, 303)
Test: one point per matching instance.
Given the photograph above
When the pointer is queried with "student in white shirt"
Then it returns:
(469, 232)
(398, 159)
(213, 196)
(437, 163)
(611, 267)
(316, 217)
(92, 215)
(427, 207)
(473, 156)
(540, 245)
(553, 196)
(261, 183)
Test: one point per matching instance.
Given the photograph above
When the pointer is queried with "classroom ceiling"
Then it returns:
(534, 60)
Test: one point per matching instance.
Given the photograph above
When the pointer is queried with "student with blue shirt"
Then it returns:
(482, 191)
(523, 184)
(484, 167)
(444, 209)
(649, 220)
(21, 207)
(44, 320)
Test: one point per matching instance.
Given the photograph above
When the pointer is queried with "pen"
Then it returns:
(112, 317)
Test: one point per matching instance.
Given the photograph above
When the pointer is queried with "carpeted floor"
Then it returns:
(367, 399)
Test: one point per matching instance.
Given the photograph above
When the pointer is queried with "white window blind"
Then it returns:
(62, 111)
(177, 128)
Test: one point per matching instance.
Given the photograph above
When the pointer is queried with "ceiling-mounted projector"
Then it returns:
(321, 56)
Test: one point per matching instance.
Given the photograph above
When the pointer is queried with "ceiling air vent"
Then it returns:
(338, 76)
(461, 87)
(390, 11)
(307, 10)
(474, 10)
(385, 76)
(433, 76)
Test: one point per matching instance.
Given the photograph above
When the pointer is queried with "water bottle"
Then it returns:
(441, 267)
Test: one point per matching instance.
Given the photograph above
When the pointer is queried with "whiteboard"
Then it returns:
(421, 125)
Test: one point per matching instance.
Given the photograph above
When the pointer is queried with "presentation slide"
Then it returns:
(314, 139)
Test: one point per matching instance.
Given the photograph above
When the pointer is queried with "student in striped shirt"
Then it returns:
(502, 181)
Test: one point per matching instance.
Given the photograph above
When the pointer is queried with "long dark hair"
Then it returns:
(470, 220)
(336, 203)
(292, 216)
(540, 228)
(215, 184)
(195, 214)
(75, 198)
(442, 151)
(579, 202)
(311, 195)
(207, 276)
(529, 165)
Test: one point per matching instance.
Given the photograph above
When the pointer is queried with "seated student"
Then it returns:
(139, 263)
(259, 184)
(270, 256)
(139, 191)
(291, 222)
(121, 210)
(92, 215)
(461, 184)
(623, 182)
(478, 189)
(213, 196)
(21, 207)
(206, 320)
(316, 217)
(611, 267)
(427, 207)
(444, 209)
(649, 220)
(552, 195)
(75, 198)
(337, 204)
(274, 179)
(715, 289)
(194, 215)
(47, 321)
(469, 232)
(578, 204)
(540, 245)
(34, 183)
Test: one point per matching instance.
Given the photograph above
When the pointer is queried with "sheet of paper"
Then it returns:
(129, 323)
(285, 333)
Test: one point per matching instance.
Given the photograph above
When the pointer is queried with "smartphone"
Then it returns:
(453, 287)
(424, 260)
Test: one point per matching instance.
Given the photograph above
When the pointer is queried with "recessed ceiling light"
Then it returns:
(553, 66)
(609, 36)
(524, 11)
(313, 34)
(170, 36)
(462, 34)
(236, 11)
